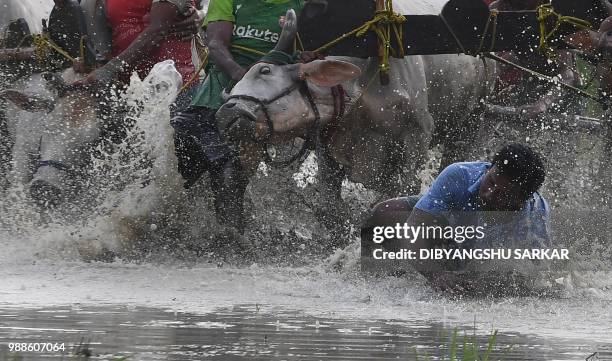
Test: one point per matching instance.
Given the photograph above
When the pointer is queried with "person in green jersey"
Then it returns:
(237, 31)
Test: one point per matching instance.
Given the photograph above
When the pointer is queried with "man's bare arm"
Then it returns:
(162, 16)
(219, 35)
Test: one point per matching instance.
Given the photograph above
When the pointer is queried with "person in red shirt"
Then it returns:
(143, 33)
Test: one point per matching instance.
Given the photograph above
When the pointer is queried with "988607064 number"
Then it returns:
(36, 347)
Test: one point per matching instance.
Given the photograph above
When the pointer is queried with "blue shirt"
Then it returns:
(455, 191)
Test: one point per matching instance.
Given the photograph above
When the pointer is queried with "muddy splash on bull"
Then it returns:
(119, 183)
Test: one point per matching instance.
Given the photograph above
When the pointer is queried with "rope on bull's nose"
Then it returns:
(545, 12)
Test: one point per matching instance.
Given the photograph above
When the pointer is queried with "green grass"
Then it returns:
(466, 348)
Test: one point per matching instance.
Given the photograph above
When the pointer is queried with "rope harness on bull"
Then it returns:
(42, 44)
(386, 24)
(546, 12)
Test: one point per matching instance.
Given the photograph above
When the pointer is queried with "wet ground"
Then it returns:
(254, 332)
(203, 311)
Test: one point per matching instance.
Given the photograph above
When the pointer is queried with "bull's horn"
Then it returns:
(285, 42)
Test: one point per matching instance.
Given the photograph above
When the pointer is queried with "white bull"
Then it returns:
(53, 134)
(32, 11)
(385, 128)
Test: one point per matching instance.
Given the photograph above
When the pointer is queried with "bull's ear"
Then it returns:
(328, 72)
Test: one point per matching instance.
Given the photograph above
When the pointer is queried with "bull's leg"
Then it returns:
(331, 172)
(229, 182)
(50, 184)
(5, 148)
(330, 209)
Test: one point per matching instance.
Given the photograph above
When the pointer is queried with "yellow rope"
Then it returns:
(299, 44)
(203, 53)
(82, 47)
(382, 24)
(491, 21)
(253, 51)
(42, 44)
(544, 13)
(195, 75)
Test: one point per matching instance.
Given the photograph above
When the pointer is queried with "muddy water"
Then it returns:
(254, 332)
(191, 310)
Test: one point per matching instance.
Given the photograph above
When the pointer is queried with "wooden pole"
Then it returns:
(19, 54)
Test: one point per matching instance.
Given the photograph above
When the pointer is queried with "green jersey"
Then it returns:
(255, 27)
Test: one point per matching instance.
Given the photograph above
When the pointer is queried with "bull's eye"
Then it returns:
(264, 70)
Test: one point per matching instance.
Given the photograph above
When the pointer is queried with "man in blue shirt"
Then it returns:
(500, 196)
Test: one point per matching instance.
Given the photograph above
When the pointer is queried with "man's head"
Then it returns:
(517, 173)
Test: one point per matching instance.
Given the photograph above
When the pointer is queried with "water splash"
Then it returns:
(126, 188)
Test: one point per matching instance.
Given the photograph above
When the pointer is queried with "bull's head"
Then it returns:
(276, 103)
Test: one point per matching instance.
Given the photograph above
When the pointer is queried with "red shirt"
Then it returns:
(129, 18)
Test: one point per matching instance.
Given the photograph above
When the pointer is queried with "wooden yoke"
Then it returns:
(17, 54)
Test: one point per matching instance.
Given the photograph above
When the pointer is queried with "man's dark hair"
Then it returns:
(522, 165)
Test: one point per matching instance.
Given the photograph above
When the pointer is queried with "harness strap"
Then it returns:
(338, 95)
(263, 105)
(339, 104)
(312, 135)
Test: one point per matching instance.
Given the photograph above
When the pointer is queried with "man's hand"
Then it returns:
(188, 26)
(103, 75)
